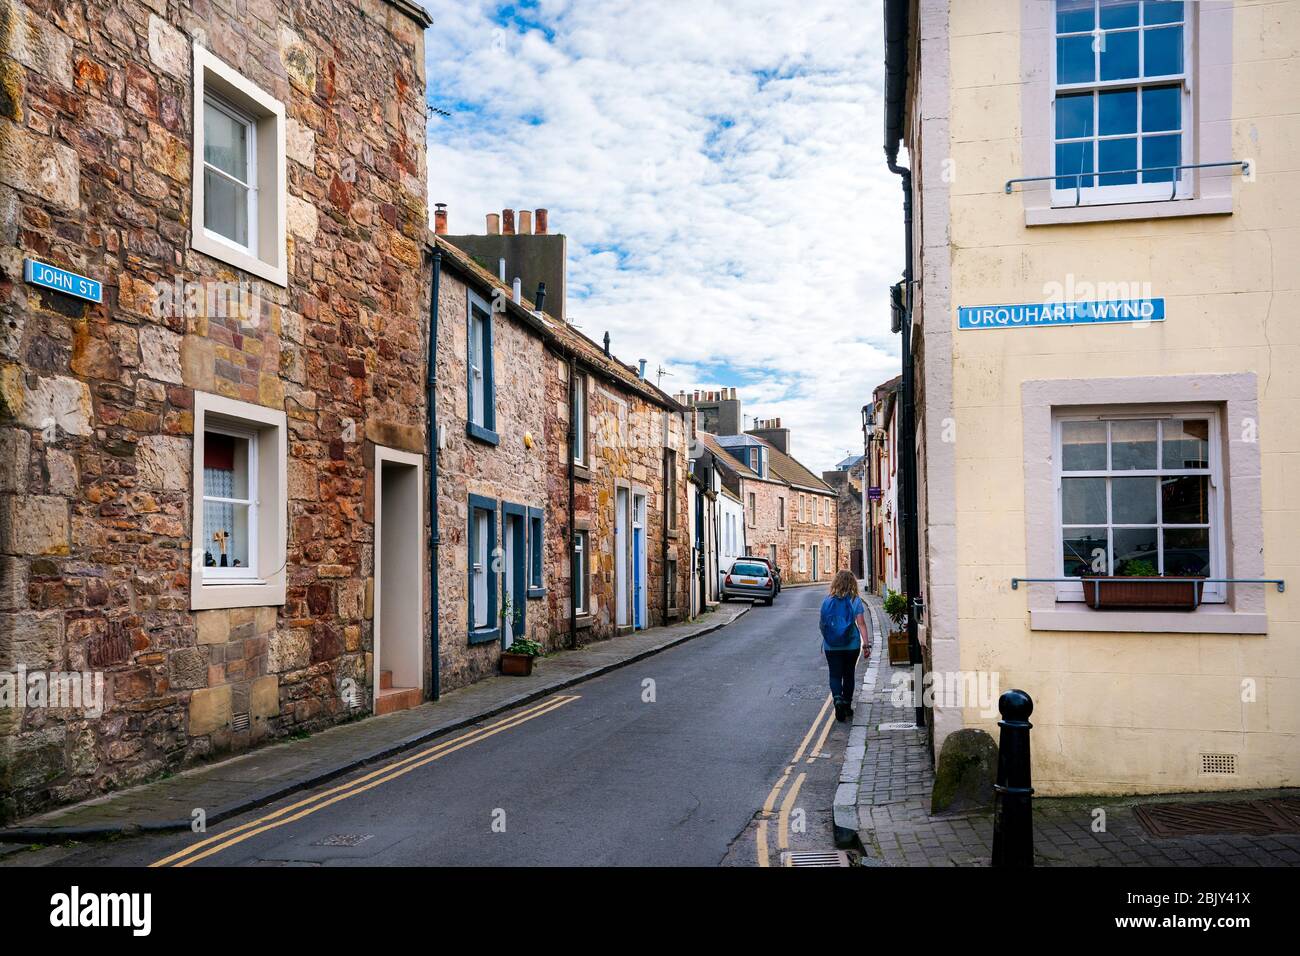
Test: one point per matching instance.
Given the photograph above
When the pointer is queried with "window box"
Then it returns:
(1133, 593)
(516, 665)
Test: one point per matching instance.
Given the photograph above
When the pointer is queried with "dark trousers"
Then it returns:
(842, 665)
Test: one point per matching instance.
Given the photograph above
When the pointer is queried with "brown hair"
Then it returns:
(844, 585)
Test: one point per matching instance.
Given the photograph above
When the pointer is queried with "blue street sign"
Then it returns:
(61, 280)
(1034, 315)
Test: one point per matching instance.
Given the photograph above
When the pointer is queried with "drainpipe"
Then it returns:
(668, 506)
(896, 49)
(433, 469)
(573, 583)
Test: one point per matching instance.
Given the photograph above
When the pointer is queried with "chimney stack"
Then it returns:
(525, 222)
(440, 218)
(493, 224)
(507, 222)
(541, 222)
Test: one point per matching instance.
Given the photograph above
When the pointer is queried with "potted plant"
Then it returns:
(1137, 584)
(896, 610)
(519, 652)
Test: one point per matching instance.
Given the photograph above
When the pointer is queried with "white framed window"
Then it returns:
(1122, 105)
(230, 502)
(1139, 495)
(579, 423)
(480, 551)
(803, 508)
(238, 187)
(780, 512)
(481, 382)
(580, 565)
(240, 514)
(753, 510)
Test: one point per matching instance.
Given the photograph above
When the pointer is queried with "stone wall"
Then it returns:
(808, 532)
(510, 471)
(625, 449)
(764, 529)
(96, 400)
(848, 516)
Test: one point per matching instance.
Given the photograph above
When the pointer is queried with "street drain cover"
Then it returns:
(1244, 816)
(814, 858)
(344, 839)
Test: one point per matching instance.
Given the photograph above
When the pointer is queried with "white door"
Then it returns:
(621, 559)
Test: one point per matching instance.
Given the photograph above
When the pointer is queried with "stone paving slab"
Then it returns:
(887, 793)
(259, 777)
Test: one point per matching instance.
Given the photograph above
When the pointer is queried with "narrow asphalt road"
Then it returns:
(667, 762)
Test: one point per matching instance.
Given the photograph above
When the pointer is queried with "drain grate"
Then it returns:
(814, 858)
(344, 839)
(1258, 817)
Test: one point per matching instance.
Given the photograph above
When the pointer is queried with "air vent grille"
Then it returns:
(239, 722)
(1219, 764)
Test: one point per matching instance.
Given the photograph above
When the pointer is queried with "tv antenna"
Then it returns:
(660, 372)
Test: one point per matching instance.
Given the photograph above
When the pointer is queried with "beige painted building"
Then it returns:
(1059, 440)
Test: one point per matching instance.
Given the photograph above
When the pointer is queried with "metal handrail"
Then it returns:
(1280, 582)
(1078, 177)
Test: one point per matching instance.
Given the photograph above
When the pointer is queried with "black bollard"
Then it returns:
(1013, 821)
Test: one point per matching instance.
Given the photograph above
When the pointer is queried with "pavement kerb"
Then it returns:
(57, 834)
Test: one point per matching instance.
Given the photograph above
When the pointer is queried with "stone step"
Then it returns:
(393, 699)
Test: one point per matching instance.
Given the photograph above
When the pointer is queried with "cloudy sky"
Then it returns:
(717, 168)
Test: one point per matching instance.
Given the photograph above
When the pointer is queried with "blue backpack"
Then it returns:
(837, 622)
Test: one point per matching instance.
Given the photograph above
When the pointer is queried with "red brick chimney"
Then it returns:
(507, 222)
(540, 226)
(440, 218)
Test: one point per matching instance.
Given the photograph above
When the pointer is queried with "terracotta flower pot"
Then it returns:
(1120, 592)
(516, 665)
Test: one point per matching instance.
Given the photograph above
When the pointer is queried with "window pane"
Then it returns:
(1119, 55)
(1135, 552)
(1117, 112)
(1164, 51)
(1083, 500)
(225, 466)
(1123, 13)
(1074, 116)
(1074, 59)
(1132, 445)
(1163, 11)
(1186, 444)
(1074, 16)
(1186, 499)
(225, 535)
(1133, 500)
(1073, 158)
(1083, 446)
(1161, 151)
(1117, 154)
(1083, 551)
(1187, 551)
(225, 207)
(225, 142)
(1161, 108)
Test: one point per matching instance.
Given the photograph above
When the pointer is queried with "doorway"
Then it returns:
(621, 558)
(516, 589)
(639, 609)
(398, 681)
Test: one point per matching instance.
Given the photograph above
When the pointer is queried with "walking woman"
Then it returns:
(844, 636)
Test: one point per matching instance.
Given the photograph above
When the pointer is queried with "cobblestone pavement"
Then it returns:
(888, 777)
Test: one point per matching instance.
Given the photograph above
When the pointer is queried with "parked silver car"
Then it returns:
(748, 578)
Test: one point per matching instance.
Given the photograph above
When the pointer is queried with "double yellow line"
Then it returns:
(309, 805)
(783, 817)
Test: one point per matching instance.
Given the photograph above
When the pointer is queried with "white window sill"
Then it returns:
(1118, 212)
(1207, 619)
(228, 253)
(210, 595)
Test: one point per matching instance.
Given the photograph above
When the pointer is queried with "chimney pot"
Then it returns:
(440, 218)
(493, 224)
(507, 222)
(525, 222)
(541, 224)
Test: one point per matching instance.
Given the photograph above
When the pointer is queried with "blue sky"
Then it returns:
(717, 169)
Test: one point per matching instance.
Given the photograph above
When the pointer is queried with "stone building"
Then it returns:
(814, 537)
(493, 380)
(765, 496)
(847, 483)
(190, 439)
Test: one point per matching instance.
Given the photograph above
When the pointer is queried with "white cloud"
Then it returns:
(717, 167)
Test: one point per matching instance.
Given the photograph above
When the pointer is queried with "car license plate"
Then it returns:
(749, 580)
